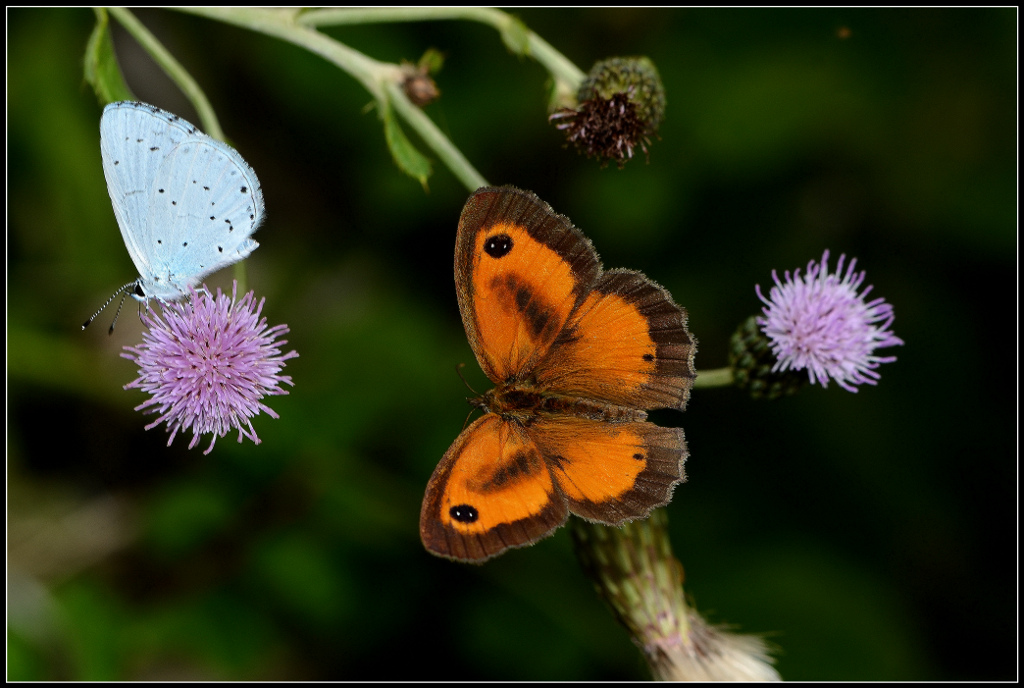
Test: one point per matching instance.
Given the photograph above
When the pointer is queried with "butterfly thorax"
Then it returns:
(518, 402)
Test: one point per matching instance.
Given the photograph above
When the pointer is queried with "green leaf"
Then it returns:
(431, 61)
(101, 69)
(408, 159)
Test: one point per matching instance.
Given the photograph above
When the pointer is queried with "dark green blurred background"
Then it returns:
(870, 535)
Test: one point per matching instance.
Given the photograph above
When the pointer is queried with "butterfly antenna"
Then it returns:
(458, 370)
(466, 422)
(116, 315)
(113, 296)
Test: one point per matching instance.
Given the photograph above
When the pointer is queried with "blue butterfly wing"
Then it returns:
(135, 138)
(166, 181)
(204, 205)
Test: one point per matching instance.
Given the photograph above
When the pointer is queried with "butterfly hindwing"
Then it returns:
(502, 484)
(204, 205)
(491, 491)
(611, 472)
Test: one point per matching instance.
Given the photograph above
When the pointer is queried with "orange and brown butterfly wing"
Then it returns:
(520, 271)
(538, 308)
(504, 485)
(611, 472)
(625, 344)
(492, 490)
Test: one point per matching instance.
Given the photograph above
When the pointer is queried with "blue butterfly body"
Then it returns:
(187, 204)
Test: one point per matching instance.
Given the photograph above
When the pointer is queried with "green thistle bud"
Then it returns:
(752, 359)
(621, 104)
(633, 569)
(636, 77)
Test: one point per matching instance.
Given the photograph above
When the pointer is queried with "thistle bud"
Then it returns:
(752, 361)
(621, 105)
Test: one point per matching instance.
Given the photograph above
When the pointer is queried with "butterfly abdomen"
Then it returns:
(525, 406)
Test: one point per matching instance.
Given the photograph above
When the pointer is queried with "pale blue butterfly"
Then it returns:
(187, 204)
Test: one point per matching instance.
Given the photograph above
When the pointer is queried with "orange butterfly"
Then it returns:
(577, 354)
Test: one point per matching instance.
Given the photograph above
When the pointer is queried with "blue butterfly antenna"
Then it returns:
(113, 296)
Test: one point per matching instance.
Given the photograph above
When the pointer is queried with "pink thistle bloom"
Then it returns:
(207, 363)
(820, 323)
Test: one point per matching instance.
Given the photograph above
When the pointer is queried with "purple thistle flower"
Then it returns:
(820, 322)
(207, 364)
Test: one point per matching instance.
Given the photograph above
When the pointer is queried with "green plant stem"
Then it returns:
(560, 67)
(381, 79)
(719, 377)
(438, 142)
(173, 69)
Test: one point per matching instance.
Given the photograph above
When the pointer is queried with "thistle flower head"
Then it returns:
(633, 568)
(819, 322)
(207, 364)
(621, 104)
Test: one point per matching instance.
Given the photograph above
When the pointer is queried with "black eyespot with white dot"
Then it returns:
(498, 246)
(464, 513)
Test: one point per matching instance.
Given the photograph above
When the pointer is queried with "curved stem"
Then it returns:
(173, 69)
(381, 79)
(513, 31)
(438, 142)
(281, 24)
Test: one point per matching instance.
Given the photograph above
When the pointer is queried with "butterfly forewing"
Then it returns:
(134, 140)
(521, 270)
(626, 344)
